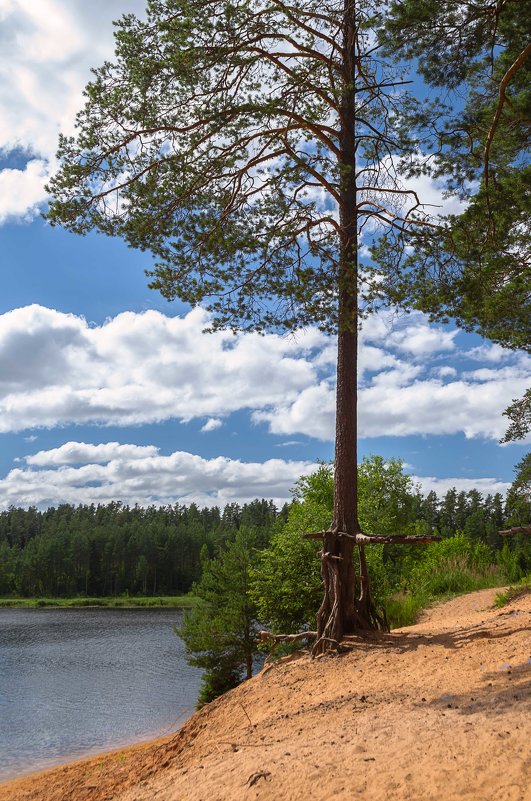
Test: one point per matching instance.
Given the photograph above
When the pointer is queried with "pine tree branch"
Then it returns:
(509, 532)
(377, 539)
(515, 66)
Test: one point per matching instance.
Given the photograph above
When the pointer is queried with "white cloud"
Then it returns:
(431, 195)
(408, 333)
(78, 472)
(312, 413)
(47, 48)
(486, 486)
(387, 409)
(81, 473)
(72, 453)
(139, 368)
(489, 352)
(22, 191)
(211, 424)
(55, 369)
(423, 340)
(446, 371)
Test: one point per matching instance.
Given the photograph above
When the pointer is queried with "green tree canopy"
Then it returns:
(518, 502)
(476, 268)
(247, 145)
(220, 633)
(286, 580)
(519, 413)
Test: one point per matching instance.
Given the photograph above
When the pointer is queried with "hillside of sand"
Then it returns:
(433, 712)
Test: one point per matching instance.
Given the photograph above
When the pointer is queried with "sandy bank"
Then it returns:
(437, 711)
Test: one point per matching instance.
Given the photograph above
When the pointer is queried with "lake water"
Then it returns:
(78, 681)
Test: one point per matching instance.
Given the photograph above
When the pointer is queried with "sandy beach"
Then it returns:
(436, 711)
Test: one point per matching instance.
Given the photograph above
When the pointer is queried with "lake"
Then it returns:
(77, 681)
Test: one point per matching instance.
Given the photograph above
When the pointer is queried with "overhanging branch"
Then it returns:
(378, 539)
(509, 532)
(515, 66)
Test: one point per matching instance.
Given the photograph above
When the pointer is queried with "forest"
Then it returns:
(115, 549)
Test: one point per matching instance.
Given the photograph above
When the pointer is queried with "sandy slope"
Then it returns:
(433, 712)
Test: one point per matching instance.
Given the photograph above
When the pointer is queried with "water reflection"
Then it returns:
(78, 681)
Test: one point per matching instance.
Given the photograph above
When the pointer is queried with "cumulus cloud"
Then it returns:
(56, 369)
(211, 424)
(22, 191)
(489, 352)
(139, 368)
(423, 340)
(78, 472)
(486, 486)
(446, 371)
(387, 409)
(46, 51)
(72, 453)
(431, 407)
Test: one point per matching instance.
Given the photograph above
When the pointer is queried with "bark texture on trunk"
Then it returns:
(347, 605)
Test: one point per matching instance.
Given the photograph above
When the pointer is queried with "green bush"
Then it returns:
(402, 608)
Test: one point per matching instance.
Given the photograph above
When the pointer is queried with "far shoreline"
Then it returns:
(106, 602)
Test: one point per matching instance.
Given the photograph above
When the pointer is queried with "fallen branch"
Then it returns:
(266, 636)
(260, 774)
(378, 539)
(392, 539)
(508, 532)
(278, 639)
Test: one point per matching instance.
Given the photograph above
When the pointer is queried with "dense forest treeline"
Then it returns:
(115, 549)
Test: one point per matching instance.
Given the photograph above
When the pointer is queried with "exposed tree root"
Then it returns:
(347, 607)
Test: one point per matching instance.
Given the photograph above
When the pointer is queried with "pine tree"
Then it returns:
(220, 633)
(476, 266)
(247, 146)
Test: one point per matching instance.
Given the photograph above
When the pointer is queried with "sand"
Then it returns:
(433, 712)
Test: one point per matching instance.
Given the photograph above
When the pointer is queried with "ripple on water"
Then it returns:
(78, 681)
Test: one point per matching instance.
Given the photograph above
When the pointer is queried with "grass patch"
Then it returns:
(402, 609)
(449, 578)
(159, 602)
(514, 591)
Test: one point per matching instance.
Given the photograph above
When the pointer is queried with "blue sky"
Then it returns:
(108, 391)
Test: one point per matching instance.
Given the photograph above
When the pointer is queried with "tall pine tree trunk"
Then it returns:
(347, 606)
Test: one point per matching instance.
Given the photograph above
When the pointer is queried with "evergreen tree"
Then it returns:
(476, 266)
(519, 413)
(220, 633)
(447, 516)
(518, 501)
(461, 511)
(247, 146)
(430, 510)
